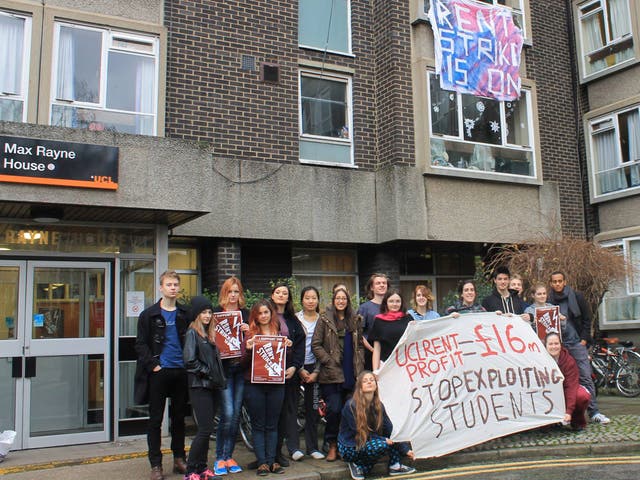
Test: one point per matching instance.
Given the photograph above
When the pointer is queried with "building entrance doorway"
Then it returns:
(55, 374)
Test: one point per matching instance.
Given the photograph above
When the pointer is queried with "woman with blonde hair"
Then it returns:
(422, 303)
(365, 430)
(230, 299)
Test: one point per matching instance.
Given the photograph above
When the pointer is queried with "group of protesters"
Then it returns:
(333, 354)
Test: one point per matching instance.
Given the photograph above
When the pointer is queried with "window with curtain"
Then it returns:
(480, 134)
(325, 118)
(621, 303)
(15, 34)
(517, 11)
(104, 80)
(615, 152)
(605, 34)
(325, 25)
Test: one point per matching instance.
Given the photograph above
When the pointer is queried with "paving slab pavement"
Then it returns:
(127, 459)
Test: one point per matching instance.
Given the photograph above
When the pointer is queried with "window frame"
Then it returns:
(533, 178)
(108, 35)
(611, 116)
(578, 6)
(23, 95)
(624, 245)
(349, 51)
(319, 139)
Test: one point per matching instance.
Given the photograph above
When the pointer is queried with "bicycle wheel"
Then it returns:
(245, 429)
(599, 369)
(628, 375)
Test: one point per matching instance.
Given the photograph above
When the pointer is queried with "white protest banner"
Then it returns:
(478, 48)
(456, 382)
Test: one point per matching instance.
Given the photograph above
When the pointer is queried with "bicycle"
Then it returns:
(617, 366)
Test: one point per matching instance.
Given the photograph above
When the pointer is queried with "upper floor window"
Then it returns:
(15, 32)
(104, 80)
(325, 25)
(615, 152)
(325, 119)
(605, 34)
(517, 11)
(480, 134)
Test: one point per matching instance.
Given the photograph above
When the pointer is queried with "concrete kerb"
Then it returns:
(339, 471)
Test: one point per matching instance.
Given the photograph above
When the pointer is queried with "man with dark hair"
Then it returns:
(578, 334)
(502, 299)
(160, 371)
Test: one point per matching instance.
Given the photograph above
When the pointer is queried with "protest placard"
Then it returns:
(228, 334)
(268, 359)
(478, 48)
(453, 383)
(547, 320)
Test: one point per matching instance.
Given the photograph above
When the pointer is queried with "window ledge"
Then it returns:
(606, 197)
(333, 52)
(607, 71)
(480, 175)
(319, 163)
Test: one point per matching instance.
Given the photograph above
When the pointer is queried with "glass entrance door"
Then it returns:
(60, 364)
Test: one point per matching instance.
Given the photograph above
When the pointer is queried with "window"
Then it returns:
(480, 134)
(621, 303)
(325, 119)
(517, 11)
(615, 152)
(325, 25)
(605, 34)
(15, 32)
(104, 80)
(184, 260)
(324, 268)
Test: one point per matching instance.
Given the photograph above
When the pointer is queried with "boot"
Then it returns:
(156, 473)
(332, 456)
(179, 465)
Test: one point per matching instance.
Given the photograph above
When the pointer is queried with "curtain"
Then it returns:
(66, 65)
(633, 129)
(620, 24)
(610, 175)
(145, 95)
(11, 54)
(592, 37)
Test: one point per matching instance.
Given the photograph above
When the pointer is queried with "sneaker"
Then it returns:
(208, 475)
(355, 471)
(600, 418)
(276, 468)
(317, 455)
(233, 466)
(401, 470)
(263, 470)
(191, 476)
(220, 467)
(297, 455)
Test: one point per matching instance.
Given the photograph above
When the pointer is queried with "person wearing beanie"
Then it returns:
(205, 379)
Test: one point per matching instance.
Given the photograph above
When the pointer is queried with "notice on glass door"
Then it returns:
(135, 303)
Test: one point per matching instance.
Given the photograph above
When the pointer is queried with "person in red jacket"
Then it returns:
(576, 397)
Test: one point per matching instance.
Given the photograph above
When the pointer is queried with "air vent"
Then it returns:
(248, 63)
(269, 72)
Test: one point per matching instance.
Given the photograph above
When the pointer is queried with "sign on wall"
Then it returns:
(453, 383)
(477, 48)
(44, 162)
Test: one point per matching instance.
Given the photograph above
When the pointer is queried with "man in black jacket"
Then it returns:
(576, 309)
(159, 343)
(502, 299)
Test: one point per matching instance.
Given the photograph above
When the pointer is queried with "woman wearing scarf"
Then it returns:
(388, 327)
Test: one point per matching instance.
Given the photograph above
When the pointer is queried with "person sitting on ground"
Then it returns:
(364, 432)
(422, 302)
(466, 303)
(576, 397)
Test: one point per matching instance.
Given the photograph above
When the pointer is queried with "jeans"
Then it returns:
(204, 410)
(581, 356)
(230, 408)
(334, 396)
(167, 383)
(288, 422)
(264, 402)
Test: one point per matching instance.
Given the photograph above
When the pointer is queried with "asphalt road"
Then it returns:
(582, 468)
